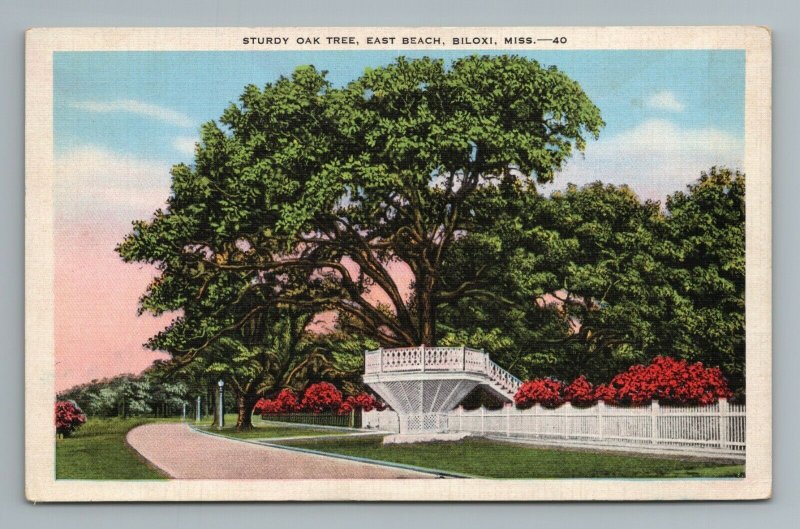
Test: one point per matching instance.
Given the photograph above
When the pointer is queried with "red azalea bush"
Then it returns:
(580, 392)
(668, 380)
(285, 402)
(69, 417)
(604, 392)
(321, 397)
(545, 391)
(362, 401)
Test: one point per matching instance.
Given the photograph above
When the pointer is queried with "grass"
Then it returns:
(266, 429)
(98, 451)
(495, 459)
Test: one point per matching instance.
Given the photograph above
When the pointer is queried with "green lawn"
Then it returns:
(494, 459)
(266, 429)
(98, 450)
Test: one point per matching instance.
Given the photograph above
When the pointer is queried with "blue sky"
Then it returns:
(669, 114)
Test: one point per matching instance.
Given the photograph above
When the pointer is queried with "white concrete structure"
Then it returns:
(423, 384)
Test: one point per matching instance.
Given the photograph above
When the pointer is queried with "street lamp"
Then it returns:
(221, 421)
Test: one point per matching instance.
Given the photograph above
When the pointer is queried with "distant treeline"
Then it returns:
(146, 394)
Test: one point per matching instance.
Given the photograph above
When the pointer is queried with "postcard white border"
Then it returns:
(40, 482)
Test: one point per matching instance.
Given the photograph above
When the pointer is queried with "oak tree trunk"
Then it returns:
(245, 403)
(426, 310)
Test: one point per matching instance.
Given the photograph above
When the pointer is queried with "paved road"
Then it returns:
(186, 454)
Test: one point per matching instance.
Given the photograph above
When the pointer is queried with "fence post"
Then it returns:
(483, 420)
(508, 406)
(654, 411)
(724, 420)
(380, 353)
(461, 418)
(352, 418)
(600, 407)
(566, 432)
(463, 358)
(422, 356)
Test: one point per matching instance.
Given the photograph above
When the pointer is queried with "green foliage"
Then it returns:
(592, 280)
(300, 178)
(130, 396)
(706, 257)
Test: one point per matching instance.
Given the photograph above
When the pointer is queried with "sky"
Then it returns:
(122, 119)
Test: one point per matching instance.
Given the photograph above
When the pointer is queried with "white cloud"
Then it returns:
(185, 144)
(665, 100)
(655, 158)
(94, 182)
(132, 106)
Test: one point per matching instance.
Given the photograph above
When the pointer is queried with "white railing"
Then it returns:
(717, 430)
(452, 359)
(714, 429)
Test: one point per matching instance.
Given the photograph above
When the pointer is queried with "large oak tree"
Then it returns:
(311, 195)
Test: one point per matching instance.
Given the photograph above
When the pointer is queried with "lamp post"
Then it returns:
(221, 421)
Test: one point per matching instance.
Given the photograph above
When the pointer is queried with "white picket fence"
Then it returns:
(716, 430)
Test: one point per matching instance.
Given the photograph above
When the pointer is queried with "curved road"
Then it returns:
(185, 454)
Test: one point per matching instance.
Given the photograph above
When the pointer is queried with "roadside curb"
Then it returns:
(400, 466)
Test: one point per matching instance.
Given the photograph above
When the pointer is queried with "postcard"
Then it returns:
(398, 264)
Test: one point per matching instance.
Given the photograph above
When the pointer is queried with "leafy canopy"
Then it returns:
(307, 195)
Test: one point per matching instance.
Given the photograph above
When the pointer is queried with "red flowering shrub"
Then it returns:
(545, 391)
(285, 402)
(320, 397)
(665, 379)
(605, 393)
(69, 417)
(668, 380)
(580, 392)
(362, 401)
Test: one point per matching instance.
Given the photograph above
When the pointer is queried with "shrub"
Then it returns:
(285, 402)
(668, 380)
(321, 397)
(69, 417)
(544, 391)
(580, 392)
(362, 401)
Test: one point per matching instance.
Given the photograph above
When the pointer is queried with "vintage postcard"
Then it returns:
(415, 264)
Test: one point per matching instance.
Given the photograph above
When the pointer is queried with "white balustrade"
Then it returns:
(449, 359)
